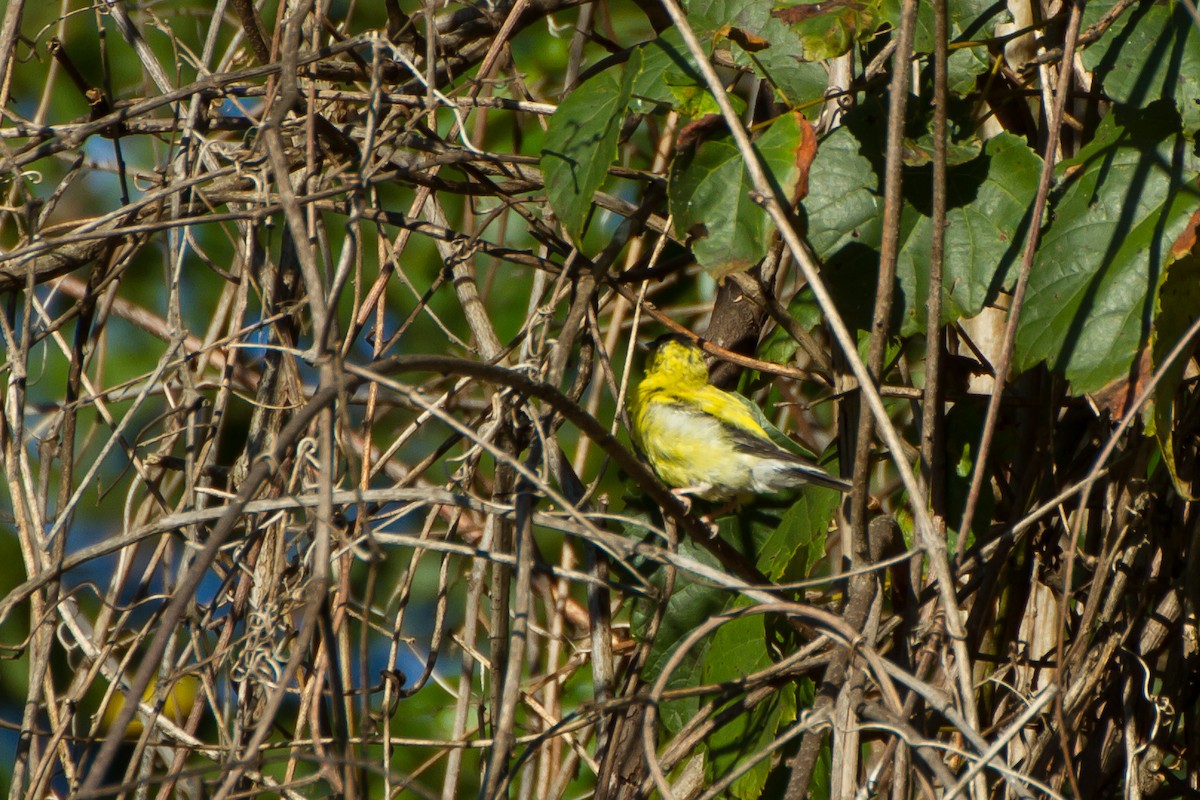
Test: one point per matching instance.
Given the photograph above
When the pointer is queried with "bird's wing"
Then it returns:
(765, 448)
(741, 420)
(749, 443)
(691, 436)
(731, 409)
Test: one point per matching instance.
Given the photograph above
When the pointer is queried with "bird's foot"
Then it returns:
(709, 520)
(684, 494)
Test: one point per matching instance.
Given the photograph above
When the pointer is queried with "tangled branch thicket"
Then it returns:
(318, 324)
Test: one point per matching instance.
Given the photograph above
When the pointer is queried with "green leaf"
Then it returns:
(989, 198)
(766, 44)
(989, 201)
(689, 606)
(829, 29)
(693, 99)
(1152, 51)
(798, 543)
(739, 649)
(807, 31)
(709, 18)
(668, 77)
(784, 538)
(666, 55)
(963, 427)
(844, 216)
(1128, 195)
(967, 21)
(919, 152)
(1178, 307)
(779, 347)
(709, 195)
(843, 205)
(581, 142)
(820, 786)
(799, 84)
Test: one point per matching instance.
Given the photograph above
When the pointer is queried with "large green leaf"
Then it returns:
(968, 21)
(1128, 195)
(1178, 307)
(710, 17)
(1152, 51)
(581, 142)
(774, 49)
(989, 198)
(691, 604)
(661, 57)
(798, 82)
(808, 31)
(843, 205)
(989, 201)
(830, 28)
(739, 649)
(843, 213)
(798, 541)
(709, 195)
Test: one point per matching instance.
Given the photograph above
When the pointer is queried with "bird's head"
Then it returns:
(676, 359)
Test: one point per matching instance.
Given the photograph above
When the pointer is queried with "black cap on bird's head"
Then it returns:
(678, 338)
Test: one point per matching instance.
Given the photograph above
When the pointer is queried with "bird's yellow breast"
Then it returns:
(691, 450)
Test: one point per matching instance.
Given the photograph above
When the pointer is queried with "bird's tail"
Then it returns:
(815, 475)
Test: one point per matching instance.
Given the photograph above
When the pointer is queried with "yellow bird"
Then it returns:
(704, 441)
(176, 707)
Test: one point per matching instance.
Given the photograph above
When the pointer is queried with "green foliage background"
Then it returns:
(450, 579)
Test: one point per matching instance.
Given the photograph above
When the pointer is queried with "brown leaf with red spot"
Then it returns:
(1186, 241)
(744, 39)
(805, 155)
(693, 132)
(1120, 395)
